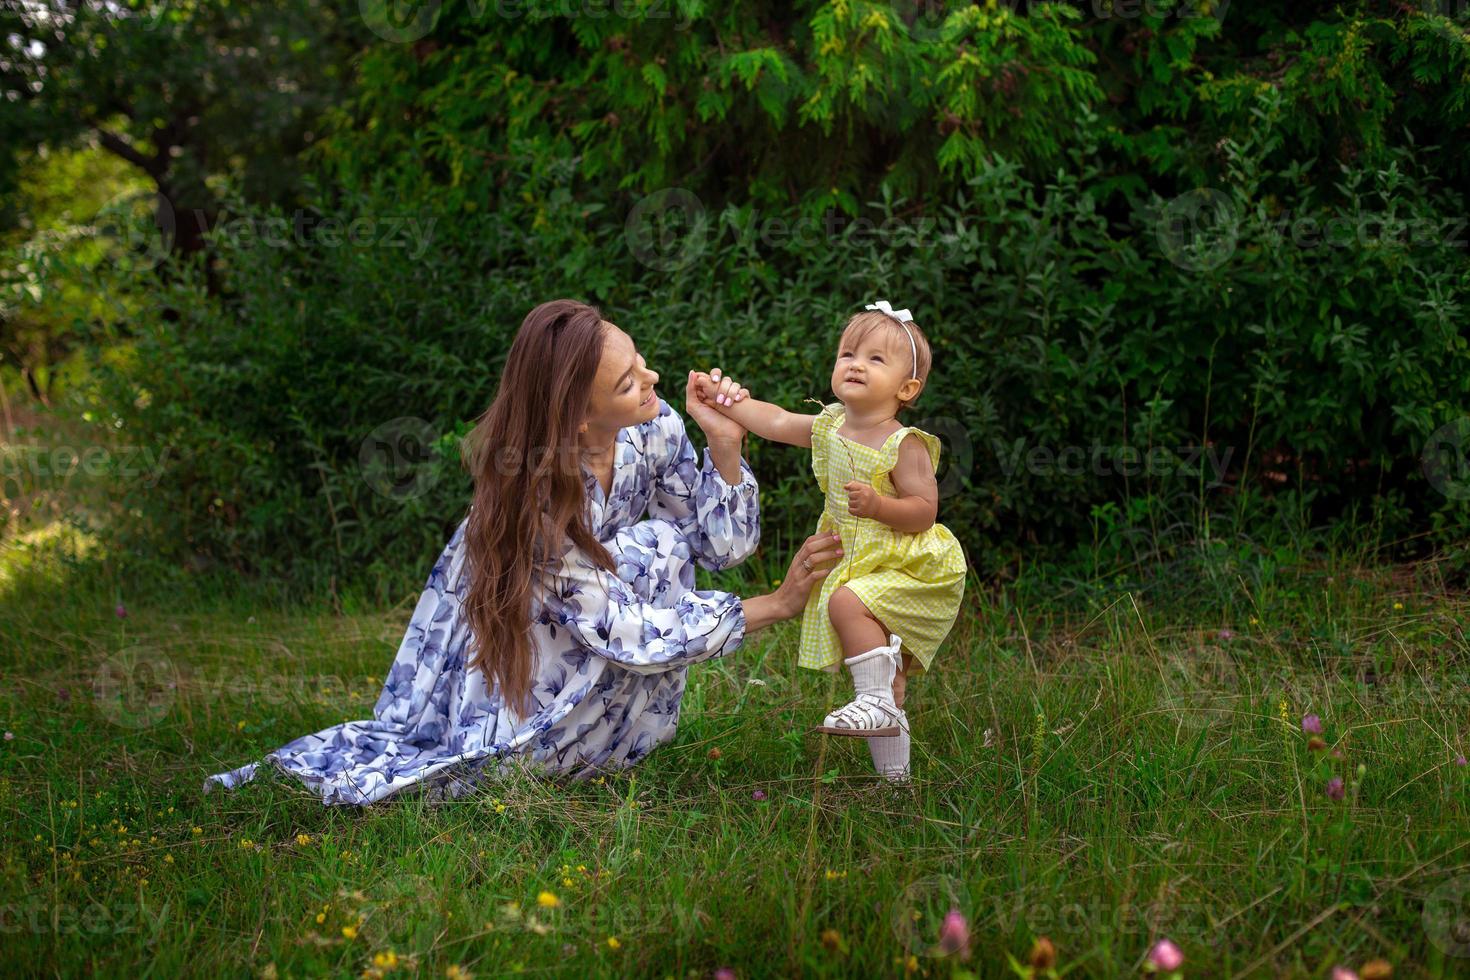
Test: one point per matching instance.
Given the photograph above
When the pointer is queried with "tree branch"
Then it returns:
(116, 144)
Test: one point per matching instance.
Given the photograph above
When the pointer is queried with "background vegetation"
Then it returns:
(1206, 226)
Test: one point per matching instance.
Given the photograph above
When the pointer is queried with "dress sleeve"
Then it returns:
(604, 616)
(828, 419)
(721, 522)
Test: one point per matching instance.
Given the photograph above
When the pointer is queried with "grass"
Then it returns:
(1096, 762)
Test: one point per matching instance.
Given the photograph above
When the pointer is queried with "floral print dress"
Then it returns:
(610, 651)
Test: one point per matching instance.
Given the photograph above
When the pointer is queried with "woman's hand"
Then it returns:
(719, 429)
(811, 563)
(816, 557)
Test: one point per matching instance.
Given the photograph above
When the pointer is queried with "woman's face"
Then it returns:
(622, 392)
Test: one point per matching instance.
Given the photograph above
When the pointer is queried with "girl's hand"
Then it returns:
(816, 557)
(862, 500)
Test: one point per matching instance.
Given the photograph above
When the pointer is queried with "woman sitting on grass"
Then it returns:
(557, 625)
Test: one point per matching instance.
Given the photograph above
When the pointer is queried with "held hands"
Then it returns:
(862, 500)
(721, 392)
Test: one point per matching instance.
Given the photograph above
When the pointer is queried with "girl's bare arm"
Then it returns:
(917, 504)
(766, 420)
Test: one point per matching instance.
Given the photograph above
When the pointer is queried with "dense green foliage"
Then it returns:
(1230, 228)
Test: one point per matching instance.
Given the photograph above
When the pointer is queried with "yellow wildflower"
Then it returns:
(612, 943)
(350, 932)
(547, 900)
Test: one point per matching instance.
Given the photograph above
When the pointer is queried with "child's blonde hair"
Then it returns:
(859, 325)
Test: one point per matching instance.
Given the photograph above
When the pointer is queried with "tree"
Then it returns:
(192, 93)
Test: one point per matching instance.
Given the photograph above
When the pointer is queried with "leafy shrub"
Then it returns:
(1137, 276)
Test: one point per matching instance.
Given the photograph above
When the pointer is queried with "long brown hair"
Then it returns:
(529, 498)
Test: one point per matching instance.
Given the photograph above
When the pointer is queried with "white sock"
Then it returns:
(873, 672)
(891, 753)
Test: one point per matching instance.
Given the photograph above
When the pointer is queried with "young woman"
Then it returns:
(558, 623)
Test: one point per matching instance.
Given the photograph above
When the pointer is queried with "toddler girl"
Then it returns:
(897, 589)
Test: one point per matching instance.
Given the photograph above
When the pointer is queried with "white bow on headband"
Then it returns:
(903, 317)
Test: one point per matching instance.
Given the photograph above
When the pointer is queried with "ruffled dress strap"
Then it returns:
(823, 429)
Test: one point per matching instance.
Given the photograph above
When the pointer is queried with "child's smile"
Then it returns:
(871, 370)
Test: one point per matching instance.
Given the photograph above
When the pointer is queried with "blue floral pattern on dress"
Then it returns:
(610, 651)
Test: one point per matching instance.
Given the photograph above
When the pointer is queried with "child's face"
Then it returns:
(875, 371)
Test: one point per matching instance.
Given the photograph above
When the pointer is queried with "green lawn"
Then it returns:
(1096, 762)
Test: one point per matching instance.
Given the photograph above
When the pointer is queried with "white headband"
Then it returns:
(903, 317)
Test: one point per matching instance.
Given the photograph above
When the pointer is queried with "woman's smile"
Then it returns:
(649, 400)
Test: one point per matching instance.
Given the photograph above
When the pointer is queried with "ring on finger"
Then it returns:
(806, 563)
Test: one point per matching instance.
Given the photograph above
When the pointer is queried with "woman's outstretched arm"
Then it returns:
(718, 516)
(604, 616)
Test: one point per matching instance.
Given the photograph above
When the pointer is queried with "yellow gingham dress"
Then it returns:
(912, 583)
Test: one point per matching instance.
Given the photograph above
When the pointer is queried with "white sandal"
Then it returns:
(872, 713)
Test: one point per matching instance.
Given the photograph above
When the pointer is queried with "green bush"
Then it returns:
(1123, 281)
